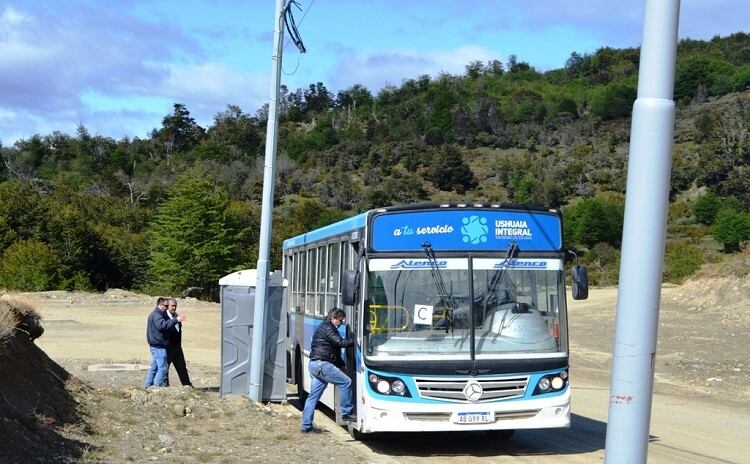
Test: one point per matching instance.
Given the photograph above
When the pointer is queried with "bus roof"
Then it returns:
(331, 230)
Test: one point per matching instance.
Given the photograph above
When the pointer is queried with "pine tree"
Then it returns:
(191, 244)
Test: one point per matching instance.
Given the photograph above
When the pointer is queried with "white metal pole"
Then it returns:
(643, 238)
(257, 358)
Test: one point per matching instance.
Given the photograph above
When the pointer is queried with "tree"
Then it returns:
(318, 98)
(515, 66)
(574, 64)
(731, 228)
(449, 171)
(614, 100)
(191, 245)
(179, 132)
(494, 68)
(234, 136)
(706, 208)
(475, 69)
(353, 97)
(595, 220)
(29, 266)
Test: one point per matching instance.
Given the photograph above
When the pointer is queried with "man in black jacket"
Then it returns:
(325, 368)
(157, 333)
(175, 354)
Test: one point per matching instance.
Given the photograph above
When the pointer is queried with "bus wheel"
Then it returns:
(500, 434)
(354, 433)
(301, 393)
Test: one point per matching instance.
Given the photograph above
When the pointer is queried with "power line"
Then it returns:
(291, 25)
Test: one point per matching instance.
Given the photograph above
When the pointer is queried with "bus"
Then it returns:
(458, 313)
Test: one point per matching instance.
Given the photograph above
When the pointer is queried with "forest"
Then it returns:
(181, 208)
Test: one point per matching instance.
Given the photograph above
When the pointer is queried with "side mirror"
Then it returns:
(580, 288)
(349, 288)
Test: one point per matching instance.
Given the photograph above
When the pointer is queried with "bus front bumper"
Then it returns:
(390, 416)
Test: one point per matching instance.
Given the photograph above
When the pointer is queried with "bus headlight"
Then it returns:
(398, 387)
(544, 384)
(389, 386)
(557, 383)
(384, 387)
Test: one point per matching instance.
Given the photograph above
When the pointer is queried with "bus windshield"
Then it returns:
(416, 308)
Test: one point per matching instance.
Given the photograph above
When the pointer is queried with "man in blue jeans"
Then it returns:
(157, 333)
(325, 368)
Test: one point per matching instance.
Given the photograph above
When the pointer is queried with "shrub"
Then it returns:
(614, 100)
(706, 207)
(680, 261)
(604, 264)
(594, 220)
(29, 266)
(731, 228)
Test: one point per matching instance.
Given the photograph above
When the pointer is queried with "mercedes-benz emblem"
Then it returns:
(473, 391)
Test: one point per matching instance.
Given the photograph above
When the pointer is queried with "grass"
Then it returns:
(93, 454)
(12, 312)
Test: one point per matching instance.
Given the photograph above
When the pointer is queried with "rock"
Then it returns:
(166, 439)
(179, 409)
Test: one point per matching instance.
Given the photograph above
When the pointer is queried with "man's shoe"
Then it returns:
(349, 418)
(312, 430)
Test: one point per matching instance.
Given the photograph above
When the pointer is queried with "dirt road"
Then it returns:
(700, 413)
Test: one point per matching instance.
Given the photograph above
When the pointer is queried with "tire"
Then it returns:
(356, 434)
(301, 393)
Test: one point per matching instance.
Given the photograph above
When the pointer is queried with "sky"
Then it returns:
(118, 67)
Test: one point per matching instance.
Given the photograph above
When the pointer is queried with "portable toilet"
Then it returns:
(237, 294)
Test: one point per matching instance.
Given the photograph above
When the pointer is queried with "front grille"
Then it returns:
(515, 415)
(428, 416)
(493, 389)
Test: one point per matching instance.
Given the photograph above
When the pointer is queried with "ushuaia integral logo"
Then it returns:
(512, 229)
(474, 230)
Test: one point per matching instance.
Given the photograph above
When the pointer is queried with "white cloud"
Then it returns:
(11, 17)
(7, 114)
(206, 88)
(376, 69)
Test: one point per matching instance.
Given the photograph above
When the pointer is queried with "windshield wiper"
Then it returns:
(437, 277)
(497, 277)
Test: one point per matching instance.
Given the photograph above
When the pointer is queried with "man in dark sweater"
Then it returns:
(325, 368)
(175, 354)
(157, 332)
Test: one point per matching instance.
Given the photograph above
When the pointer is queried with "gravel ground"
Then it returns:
(186, 425)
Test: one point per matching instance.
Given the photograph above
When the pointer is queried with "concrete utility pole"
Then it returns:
(644, 231)
(261, 290)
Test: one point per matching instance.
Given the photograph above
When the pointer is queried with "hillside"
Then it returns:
(181, 208)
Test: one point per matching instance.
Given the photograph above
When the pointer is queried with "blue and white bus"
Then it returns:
(458, 311)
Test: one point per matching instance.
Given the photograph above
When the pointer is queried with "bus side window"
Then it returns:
(334, 263)
(288, 273)
(321, 281)
(305, 282)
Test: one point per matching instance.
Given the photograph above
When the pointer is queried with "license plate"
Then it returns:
(473, 417)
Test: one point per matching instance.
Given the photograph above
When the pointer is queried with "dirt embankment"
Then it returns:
(47, 415)
(41, 416)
